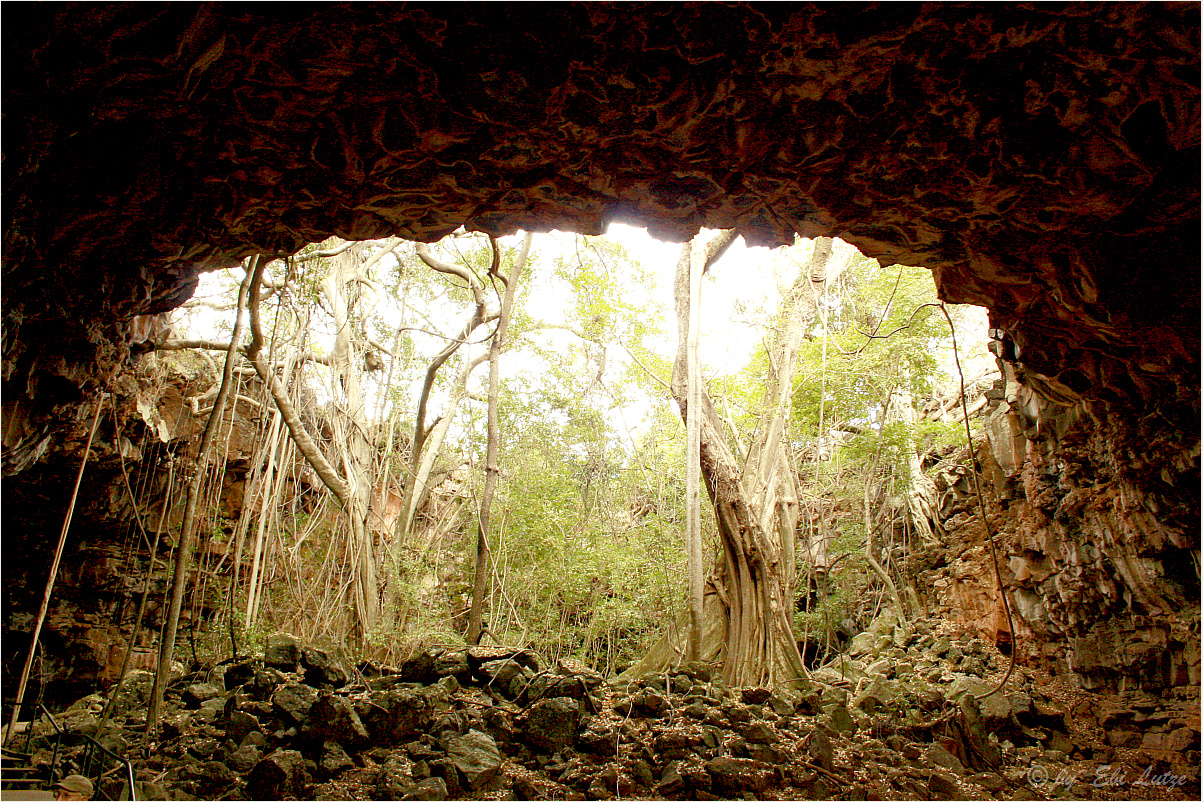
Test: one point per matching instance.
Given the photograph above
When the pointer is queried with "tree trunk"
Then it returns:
(748, 581)
(351, 437)
(693, 451)
(870, 548)
(426, 441)
(920, 491)
(491, 468)
(184, 549)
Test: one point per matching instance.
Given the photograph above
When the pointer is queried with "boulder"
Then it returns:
(884, 623)
(641, 770)
(551, 724)
(759, 733)
(877, 693)
(475, 755)
(280, 775)
(940, 757)
(334, 758)
(478, 656)
(546, 686)
(283, 651)
(418, 668)
(671, 781)
(239, 724)
(820, 750)
(238, 675)
(842, 669)
(334, 718)
(429, 788)
(292, 702)
(678, 743)
(244, 758)
(401, 714)
(325, 667)
(1178, 740)
(507, 676)
(451, 663)
(392, 780)
(198, 693)
(755, 696)
(839, 719)
(734, 775)
(868, 643)
(133, 692)
(212, 778)
(943, 785)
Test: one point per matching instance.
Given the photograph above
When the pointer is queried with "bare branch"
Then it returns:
(434, 263)
(211, 345)
(296, 427)
(184, 345)
(326, 254)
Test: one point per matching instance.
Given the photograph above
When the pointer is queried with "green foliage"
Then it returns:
(859, 371)
(586, 533)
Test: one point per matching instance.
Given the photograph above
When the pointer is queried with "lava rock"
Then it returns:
(325, 668)
(429, 788)
(938, 756)
(759, 733)
(293, 702)
(755, 696)
(240, 724)
(197, 694)
(213, 778)
(475, 755)
(334, 758)
(418, 668)
(280, 775)
(238, 675)
(551, 724)
(244, 758)
(820, 750)
(451, 663)
(283, 651)
(735, 775)
(839, 719)
(943, 786)
(333, 718)
(676, 744)
(133, 692)
(507, 676)
(401, 715)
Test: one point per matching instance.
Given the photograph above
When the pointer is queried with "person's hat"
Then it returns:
(76, 784)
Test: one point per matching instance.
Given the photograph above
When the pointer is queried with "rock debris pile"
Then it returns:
(898, 718)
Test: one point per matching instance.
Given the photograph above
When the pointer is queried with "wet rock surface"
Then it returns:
(864, 729)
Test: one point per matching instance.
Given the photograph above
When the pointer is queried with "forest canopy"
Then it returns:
(479, 439)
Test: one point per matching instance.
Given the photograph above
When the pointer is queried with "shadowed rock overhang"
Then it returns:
(1042, 160)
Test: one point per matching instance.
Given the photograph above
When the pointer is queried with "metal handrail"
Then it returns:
(58, 742)
(92, 745)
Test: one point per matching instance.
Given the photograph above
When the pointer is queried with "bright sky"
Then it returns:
(743, 279)
(740, 289)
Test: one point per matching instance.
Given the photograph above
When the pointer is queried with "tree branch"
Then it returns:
(296, 428)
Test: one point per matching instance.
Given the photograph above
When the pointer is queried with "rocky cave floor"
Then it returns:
(897, 721)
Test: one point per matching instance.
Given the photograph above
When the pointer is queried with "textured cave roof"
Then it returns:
(1042, 159)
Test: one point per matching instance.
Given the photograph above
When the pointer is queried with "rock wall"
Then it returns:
(132, 487)
(1099, 554)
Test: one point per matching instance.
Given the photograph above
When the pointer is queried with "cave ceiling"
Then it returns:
(1041, 159)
